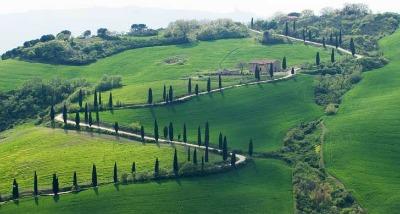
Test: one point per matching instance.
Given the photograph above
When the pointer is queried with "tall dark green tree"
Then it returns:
(208, 84)
(219, 81)
(331, 38)
(225, 149)
(196, 89)
(142, 133)
(352, 47)
(110, 101)
(65, 114)
(80, 98)
(336, 42)
(94, 176)
(292, 71)
(75, 181)
(150, 96)
(294, 26)
(52, 113)
(188, 154)
(220, 141)
(86, 113)
(164, 95)
(95, 102)
(184, 133)
(115, 175)
(286, 29)
(317, 59)
(165, 132)
(252, 23)
(304, 35)
(250, 148)
(206, 154)
(90, 119)
(116, 127)
(207, 135)
(271, 70)
(340, 37)
(171, 131)
(100, 102)
(55, 184)
(77, 120)
(15, 190)
(175, 163)
(199, 136)
(97, 116)
(195, 156)
(323, 42)
(133, 168)
(257, 73)
(35, 185)
(170, 94)
(156, 136)
(202, 163)
(333, 55)
(233, 159)
(190, 86)
(309, 35)
(156, 168)
(284, 65)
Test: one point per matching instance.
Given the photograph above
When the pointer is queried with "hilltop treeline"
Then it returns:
(66, 49)
(352, 21)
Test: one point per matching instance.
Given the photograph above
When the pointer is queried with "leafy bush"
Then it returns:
(108, 82)
(331, 109)
(370, 63)
(222, 29)
(269, 39)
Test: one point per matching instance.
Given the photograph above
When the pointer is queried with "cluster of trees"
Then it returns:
(142, 30)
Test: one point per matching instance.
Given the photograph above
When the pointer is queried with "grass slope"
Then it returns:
(260, 187)
(145, 67)
(26, 148)
(363, 146)
(264, 112)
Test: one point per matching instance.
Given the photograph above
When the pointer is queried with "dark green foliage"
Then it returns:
(352, 47)
(184, 133)
(336, 42)
(233, 159)
(100, 102)
(109, 82)
(86, 113)
(271, 70)
(220, 141)
(199, 136)
(75, 181)
(95, 101)
(195, 156)
(52, 113)
(55, 185)
(150, 96)
(94, 176)
(219, 81)
(175, 163)
(165, 132)
(47, 38)
(196, 89)
(65, 114)
(116, 127)
(304, 35)
(97, 116)
(221, 29)
(284, 65)
(257, 73)
(156, 135)
(171, 131)
(270, 39)
(292, 71)
(286, 29)
(77, 120)
(250, 152)
(252, 23)
(323, 42)
(164, 93)
(310, 35)
(225, 149)
(206, 154)
(190, 86)
(142, 133)
(35, 185)
(340, 37)
(370, 63)
(333, 55)
(133, 168)
(110, 101)
(207, 135)
(209, 84)
(90, 119)
(115, 174)
(317, 59)
(170, 94)
(156, 168)
(202, 163)
(15, 190)
(188, 154)
(80, 98)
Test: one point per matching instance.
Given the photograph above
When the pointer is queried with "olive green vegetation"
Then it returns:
(263, 112)
(362, 144)
(145, 67)
(262, 186)
(27, 148)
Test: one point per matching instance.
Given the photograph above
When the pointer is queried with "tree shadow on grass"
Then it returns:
(37, 201)
(56, 198)
(96, 190)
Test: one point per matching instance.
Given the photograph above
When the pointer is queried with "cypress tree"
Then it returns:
(199, 136)
(196, 89)
(251, 148)
(284, 65)
(133, 168)
(286, 29)
(323, 42)
(340, 37)
(97, 116)
(77, 120)
(116, 127)
(219, 81)
(206, 154)
(336, 42)
(165, 132)
(171, 131)
(142, 133)
(309, 35)
(94, 176)
(110, 101)
(171, 94)
(257, 73)
(35, 185)
(164, 95)
(15, 190)
(208, 84)
(115, 175)
(220, 141)
(333, 55)
(252, 23)
(233, 159)
(195, 156)
(317, 59)
(55, 184)
(80, 98)
(184, 133)
(188, 154)
(65, 114)
(331, 38)
(52, 113)
(271, 70)
(90, 119)
(207, 135)
(95, 104)
(100, 102)
(156, 168)
(190, 86)
(86, 113)
(225, 149)
(294, 26)
(75, 181)
(176, 166)
(292, 71)
(304, 35)
(156, 136)
(352, 47)
(150, 97)
(202, 163)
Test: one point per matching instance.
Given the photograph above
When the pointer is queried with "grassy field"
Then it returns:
(145, 67)
(263, 112)
(363, 146)
(260, 187)
(26, 149)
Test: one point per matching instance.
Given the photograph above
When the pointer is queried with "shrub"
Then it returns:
(269, 39)
(355, 77)
(370, 63)
(331, 109)
(222, 29)
(108, 82)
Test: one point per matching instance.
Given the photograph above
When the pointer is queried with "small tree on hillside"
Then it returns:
(190, 86)
(110, 101)
(340, 37)
(208, 84)
(86, 113)
(207, 135)
(225, 149)
(77, 120)
(352, 47)
(333, 55)
(150, 96)
(257, 73)
(90, 119)
(97, 116)
(284, 65)
(142, 133)
(95, 103)
(116, 127)
(233, 159)
(336, 42)
(219, 81)
(252, 23)
(184, 133)
(199, 136)
(271, 71)
(331, 38)
(294, 26)
(75, 181)
(52, 113)
(15, 190)
(94, 176)
(156, 168)
(250, 148)
(292, 71)
(65, 114)
(286, 29)
(35, 185)
(206, 154)
(309, 35)
(175, 163)
(323, 42)
(156, 136)
(196, 89)
(171, 94)
(165, 132)
(195, 156)
(80, 98)
(115, 175)
(133, 168)
(55, 185)
(317, 59)
(220, 141)
(171, 131)
(304, 35)
(100, 102)
(188, 154)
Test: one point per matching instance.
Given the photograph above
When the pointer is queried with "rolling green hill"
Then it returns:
(26, 149)
(259, 187)
(263, 112)
(362, 145)
(145, 67)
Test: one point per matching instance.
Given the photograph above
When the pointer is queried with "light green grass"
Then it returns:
(26, 149)
(263, 112)
(363, 145)
(260, 187)
(144, 68)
